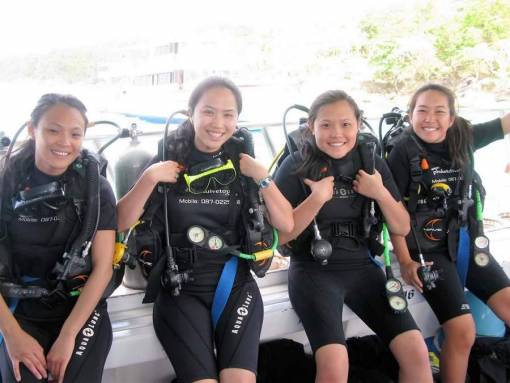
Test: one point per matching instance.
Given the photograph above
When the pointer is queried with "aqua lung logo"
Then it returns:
(242, 313)
(88, 333)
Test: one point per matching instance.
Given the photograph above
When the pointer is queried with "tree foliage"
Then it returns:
(458, 44)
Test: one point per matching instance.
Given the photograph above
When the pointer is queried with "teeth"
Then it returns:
(216, 134)
(430, 129)
(62, 154)
(337, 144)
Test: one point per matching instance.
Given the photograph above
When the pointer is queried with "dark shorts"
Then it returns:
(318, 296)
(183, 325)
(447, 299)
(91, 348)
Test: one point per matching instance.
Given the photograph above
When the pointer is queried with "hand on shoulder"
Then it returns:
(167, 171)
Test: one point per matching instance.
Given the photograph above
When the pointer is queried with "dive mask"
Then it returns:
(198, 178)
(51, 192)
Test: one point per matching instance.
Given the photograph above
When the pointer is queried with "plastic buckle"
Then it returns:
(342, 229)
(185, 257)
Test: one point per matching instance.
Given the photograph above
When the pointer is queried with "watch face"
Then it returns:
(196, 234)
(482, 242)
(393, 285)
(215, 242)
(398, 303)
(481, 259)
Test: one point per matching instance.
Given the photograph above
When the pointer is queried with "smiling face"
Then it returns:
(214, 119)
(431, 117)
(335, 129)
(58, 138)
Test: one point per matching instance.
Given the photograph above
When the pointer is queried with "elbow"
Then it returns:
(402, 229)
(288, 227)
(287, 223)
(122, 220)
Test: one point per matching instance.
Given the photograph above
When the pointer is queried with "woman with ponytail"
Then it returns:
(433, 167)
(341, 178)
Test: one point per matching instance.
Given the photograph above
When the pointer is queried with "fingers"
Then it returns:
(54, 369)
(418, 283)
(416, 279)
(308, 182)
(35, 367)
(62, 370)
(15, 368)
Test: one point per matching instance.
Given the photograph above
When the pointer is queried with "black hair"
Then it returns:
(459, 137)
(16, 170)
(314, 160)
(180, 141)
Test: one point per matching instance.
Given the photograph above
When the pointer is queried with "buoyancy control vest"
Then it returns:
(439, 199)
(239, 233)
(360, 224)
(60, 266)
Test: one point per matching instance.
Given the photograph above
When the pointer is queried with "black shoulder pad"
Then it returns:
(241, 142)
(88, 155)
(367, 152)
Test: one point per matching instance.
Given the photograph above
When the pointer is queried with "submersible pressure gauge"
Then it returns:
(396, 296)
(481, 251)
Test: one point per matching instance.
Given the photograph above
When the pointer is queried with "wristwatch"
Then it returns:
(264, 182)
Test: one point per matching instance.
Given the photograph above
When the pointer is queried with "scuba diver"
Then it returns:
(331, 164)
(432, 163)
(55, 210)
(206, 200)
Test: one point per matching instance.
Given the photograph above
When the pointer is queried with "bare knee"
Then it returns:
(460, 333)
(412, 355)
(332, 364)
(237, 375)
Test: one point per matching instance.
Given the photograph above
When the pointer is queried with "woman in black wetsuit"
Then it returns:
(66, 335)
(440, 146)
(337, 188)
(204, 216)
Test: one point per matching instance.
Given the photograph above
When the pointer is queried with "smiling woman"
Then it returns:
(207, 210)
(55, 208)
(58, 137)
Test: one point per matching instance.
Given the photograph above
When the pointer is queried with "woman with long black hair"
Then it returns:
(50, 190)
(432, 164)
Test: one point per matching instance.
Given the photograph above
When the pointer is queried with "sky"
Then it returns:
(38, 26)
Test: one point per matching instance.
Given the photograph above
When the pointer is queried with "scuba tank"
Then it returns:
(129, 165)
(126, 171)
(125, 174)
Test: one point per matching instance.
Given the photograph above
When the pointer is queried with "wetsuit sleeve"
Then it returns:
(486, 133)
(399, 167)
(288, 182)
(387, 178)
(108, 212)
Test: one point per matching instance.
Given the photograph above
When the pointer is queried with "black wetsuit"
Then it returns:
(183, 324)
(447, 300)
(318, 292)
(41, 228)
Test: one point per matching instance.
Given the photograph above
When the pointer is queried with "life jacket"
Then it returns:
(79, 203)
(149, 242)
